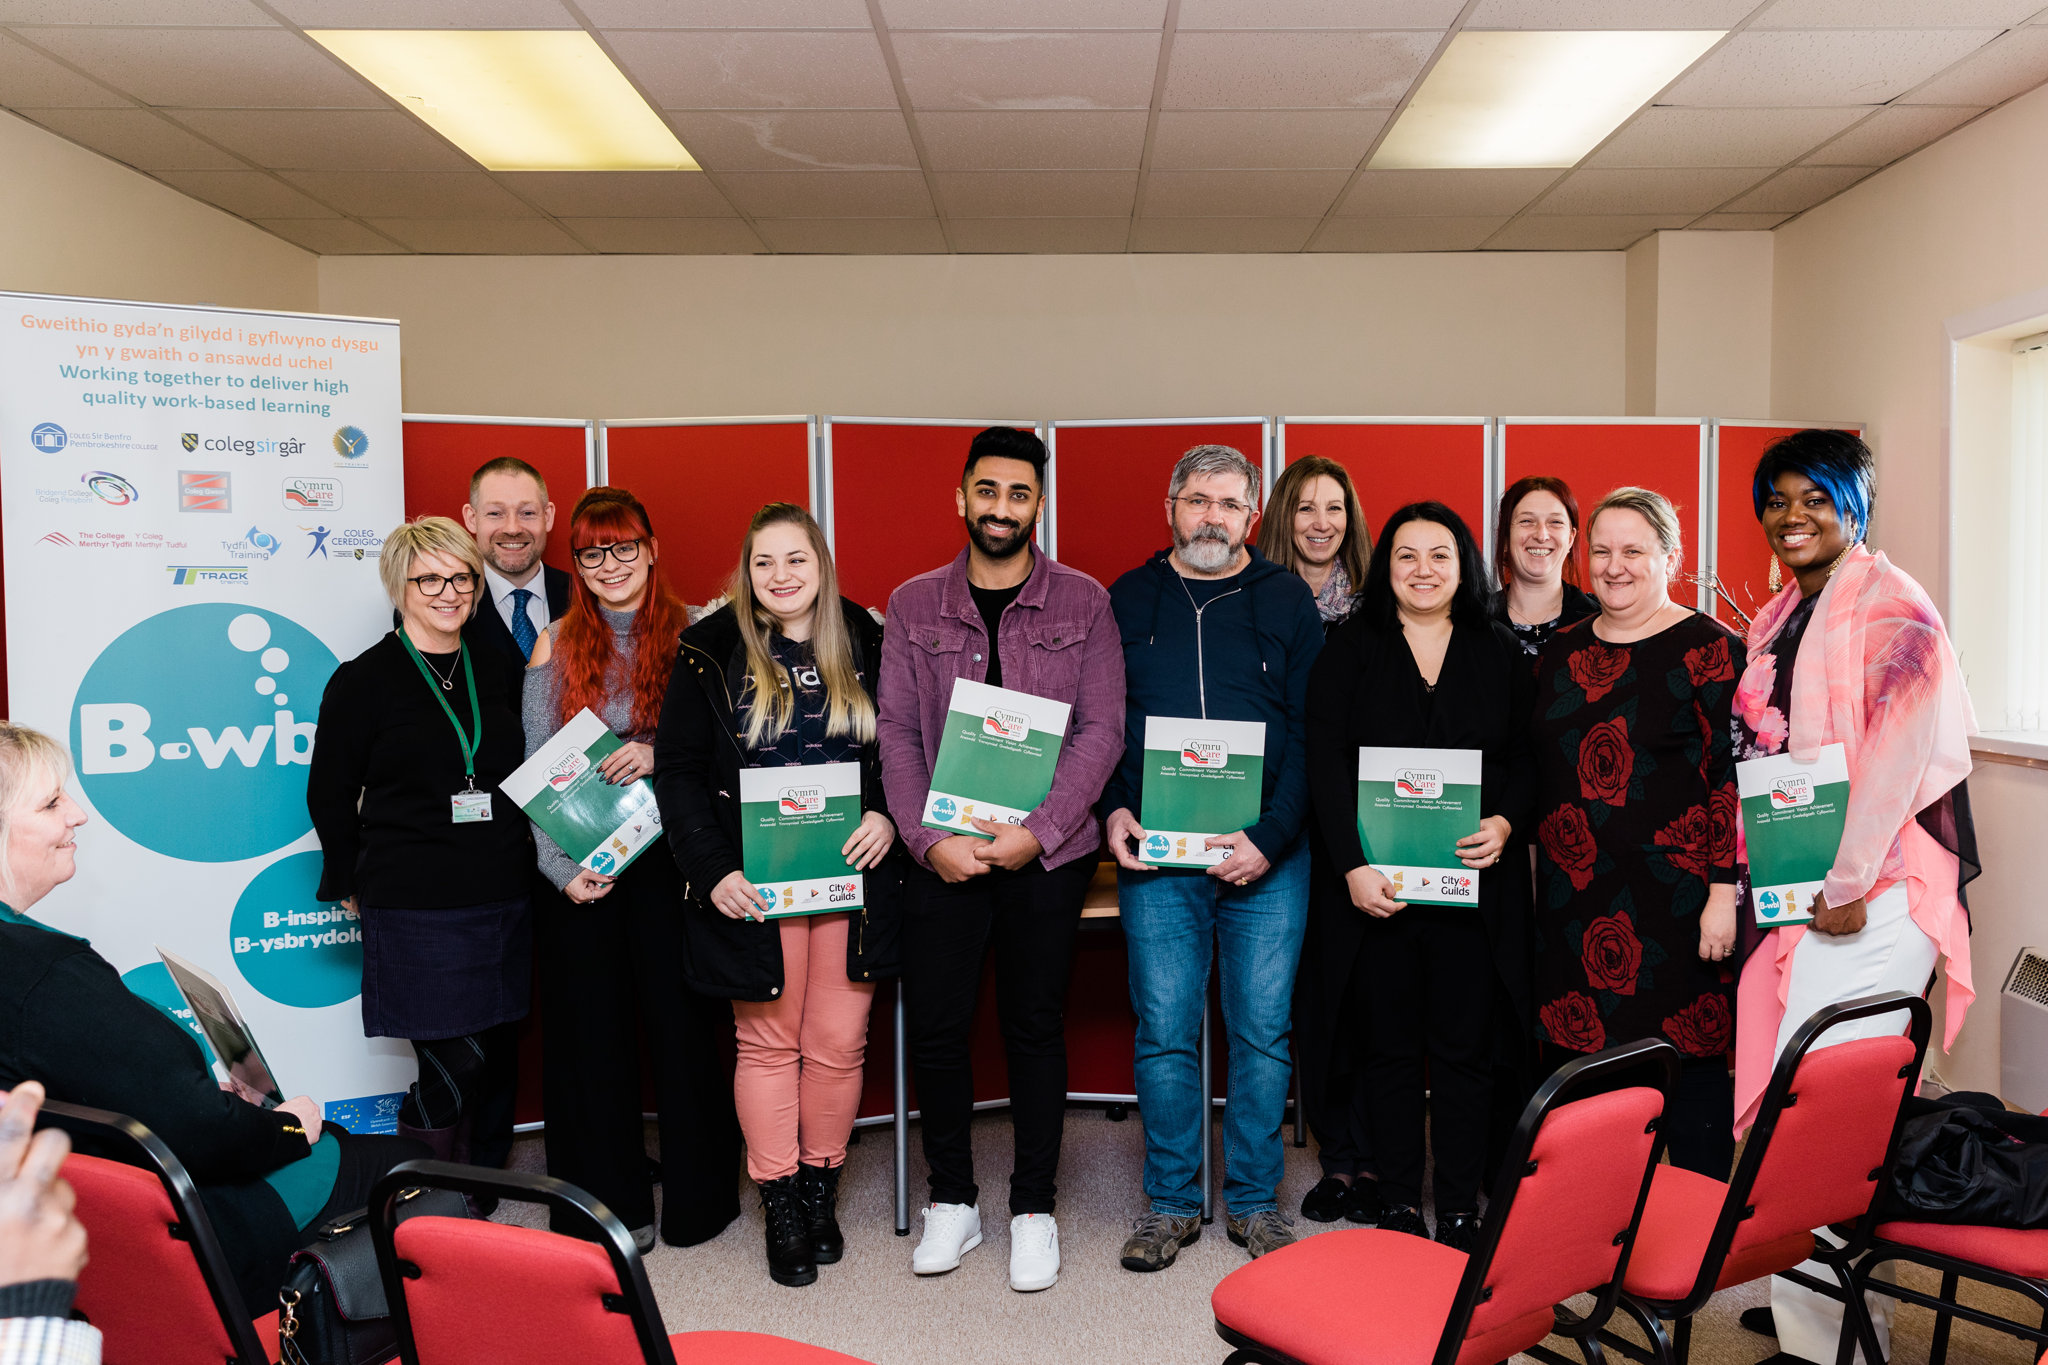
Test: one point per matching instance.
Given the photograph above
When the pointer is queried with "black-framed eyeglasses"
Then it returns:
(433, 584)
(1199, 505)
(592, 556)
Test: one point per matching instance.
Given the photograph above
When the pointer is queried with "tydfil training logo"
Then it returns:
(1006, 724)
(801, 800)
(1204, 753)
(1423, 784)
(1792, 791)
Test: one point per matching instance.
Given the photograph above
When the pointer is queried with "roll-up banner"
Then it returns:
(195, 501)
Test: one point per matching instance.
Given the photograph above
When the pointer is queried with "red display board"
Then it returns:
(1109, 485)
(442, 452)
(702, 482)
(1596, 456)
(1396, 461)
(1740, 557)
(891, 488)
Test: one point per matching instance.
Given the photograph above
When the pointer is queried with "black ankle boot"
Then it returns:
(819, 1188)
(789, 1233)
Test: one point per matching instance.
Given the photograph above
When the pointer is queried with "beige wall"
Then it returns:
(1713, 318)
(1022, 336)
(77, 223)
(1863, 288)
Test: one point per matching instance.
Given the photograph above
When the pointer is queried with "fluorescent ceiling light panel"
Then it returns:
(516, 101)
(1533, 98)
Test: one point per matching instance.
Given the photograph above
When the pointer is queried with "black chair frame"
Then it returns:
(1596, 1074)
(1649, 1315)
(141, 1148)
(1945, 1305)
(587, 1214)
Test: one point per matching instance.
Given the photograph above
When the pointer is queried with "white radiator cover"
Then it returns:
(2023, 1032)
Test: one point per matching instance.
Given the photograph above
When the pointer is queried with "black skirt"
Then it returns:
(443, 973)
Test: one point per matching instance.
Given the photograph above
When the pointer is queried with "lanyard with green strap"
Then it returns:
(470, 743)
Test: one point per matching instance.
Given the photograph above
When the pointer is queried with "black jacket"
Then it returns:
(491, 638)
(697, 762)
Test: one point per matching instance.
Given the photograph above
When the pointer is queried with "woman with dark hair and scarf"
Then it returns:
(1422, 664)
(1851, 652)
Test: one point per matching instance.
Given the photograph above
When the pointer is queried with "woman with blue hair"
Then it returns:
(1851, 652)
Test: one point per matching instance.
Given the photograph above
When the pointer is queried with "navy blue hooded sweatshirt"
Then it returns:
(1244, 656)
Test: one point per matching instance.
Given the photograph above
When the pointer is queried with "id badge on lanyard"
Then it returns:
(468, 806)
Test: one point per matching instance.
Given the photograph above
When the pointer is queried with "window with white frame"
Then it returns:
(2026, 682)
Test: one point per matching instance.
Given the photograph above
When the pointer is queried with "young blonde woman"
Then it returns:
(781, 676)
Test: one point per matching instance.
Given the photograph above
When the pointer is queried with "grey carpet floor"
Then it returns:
(870, 1306)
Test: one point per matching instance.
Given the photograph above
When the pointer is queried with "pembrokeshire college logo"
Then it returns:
(186, 733)
(111, 489)
(48, 437)
(304, 494)
(1204, 753)
(566, 771)
(1792, 791)
(1012, 725)
(203, 490)
(800, 801)
(209, 575)
(351, 444)
(1423, 784)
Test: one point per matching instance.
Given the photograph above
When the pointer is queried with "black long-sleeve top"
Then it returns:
(385, 765)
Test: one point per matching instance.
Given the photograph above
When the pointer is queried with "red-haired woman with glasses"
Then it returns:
(610, 945)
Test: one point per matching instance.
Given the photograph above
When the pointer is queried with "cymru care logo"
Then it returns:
(110, 489)
(351, 444)
(187, 732)
(1791, 792)
(1420, 784)
(801, 800)
(1011, 725)
(307, 494)
(1204, 753)
(563, 773)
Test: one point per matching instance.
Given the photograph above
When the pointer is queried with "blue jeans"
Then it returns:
(1170, 918)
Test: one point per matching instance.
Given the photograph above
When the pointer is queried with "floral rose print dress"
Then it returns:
(1636, 817)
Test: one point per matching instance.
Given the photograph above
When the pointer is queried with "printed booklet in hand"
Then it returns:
(996, 757)
(602, 826)
(1792, 818)
(1413, 807)
(1201, 777)
(794, 822)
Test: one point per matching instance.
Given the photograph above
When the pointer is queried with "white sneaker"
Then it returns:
(950, 1232)
(1034, 1252)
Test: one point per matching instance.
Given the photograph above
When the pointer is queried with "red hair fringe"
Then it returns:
(584, 653)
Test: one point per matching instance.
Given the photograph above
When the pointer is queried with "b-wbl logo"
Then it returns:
(1792, 791)
(1423, 784)
(1006, 724)
(801, 800)
(1204, 753)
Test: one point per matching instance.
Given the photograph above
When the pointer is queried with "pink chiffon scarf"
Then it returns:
(1875, 673)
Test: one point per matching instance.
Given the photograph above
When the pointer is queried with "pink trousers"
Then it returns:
(798, 1080)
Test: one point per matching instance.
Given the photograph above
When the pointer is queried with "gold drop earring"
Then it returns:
(1777, 575)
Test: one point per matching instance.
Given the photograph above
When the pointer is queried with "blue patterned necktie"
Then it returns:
(523, 633)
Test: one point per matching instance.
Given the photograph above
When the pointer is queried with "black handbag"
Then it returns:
(332, 1309)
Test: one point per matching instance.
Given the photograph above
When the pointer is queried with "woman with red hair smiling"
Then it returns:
(609, 949)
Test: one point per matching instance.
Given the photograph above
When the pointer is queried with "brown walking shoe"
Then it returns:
(1261, 1232)
(1156, 1238)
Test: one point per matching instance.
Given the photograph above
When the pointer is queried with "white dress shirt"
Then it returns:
(502, 589)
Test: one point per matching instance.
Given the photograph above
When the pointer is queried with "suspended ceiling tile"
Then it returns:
(727, 13)
(796, 139)
(1738, 222)
(409, 194)
(479, 236)
(1317, 14)
(1294, 70)
(131, 12)
(247, 194)
(1242, 194)
(426, 13)
(856, 236)
(620, 194)
(1889, 134)
(829, 194)
(1599, 233)
(1040, 236)
(137, 137)
(1798, 188)
(1009, 70)
(2015, 63)
(326, 140)
(1405, 234)
(1721, 137)
(1289, 139)
(1897, 13)
(959, 14)
(1802, 69)
(724, 69)
(1032, 140)
(29, 80)
(1444, 194)
(211, 68)
(1223, 234)
(667, 236)
(1697, 14)
(1586, 193)
(1037, 194)
(331, 236)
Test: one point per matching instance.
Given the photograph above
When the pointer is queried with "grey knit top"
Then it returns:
(537, 711)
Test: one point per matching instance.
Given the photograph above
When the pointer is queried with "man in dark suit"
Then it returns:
(509, 514)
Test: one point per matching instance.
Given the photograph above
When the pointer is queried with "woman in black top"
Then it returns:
(266, 1176)
(1535, 552)
(1422, 665)
(414, 738)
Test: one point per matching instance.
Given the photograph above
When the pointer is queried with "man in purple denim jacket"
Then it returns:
(1002, 614)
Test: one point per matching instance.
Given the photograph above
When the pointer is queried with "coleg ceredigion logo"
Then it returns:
(187, 730)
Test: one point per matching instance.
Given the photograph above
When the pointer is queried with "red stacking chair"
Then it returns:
(1560, 1223)
(464, 1292)
(1825, 1133)
(158, 1285)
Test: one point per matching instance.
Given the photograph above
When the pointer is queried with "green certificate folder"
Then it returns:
(603, 827)
(1792, 817)
(995, 758)
(1413, 807)
(1201, 777)
(793, 824)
